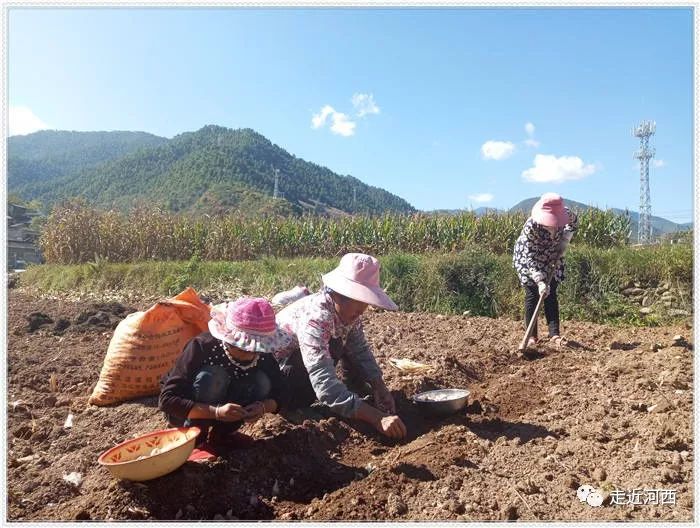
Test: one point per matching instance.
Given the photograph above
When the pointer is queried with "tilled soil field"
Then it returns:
(612, 410)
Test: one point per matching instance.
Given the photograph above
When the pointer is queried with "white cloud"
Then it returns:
(318, 120)
(550, 169)
(364, 104)
(23, 121)
(340, 123)
(497, 150)
(481, 197)
(531, 141)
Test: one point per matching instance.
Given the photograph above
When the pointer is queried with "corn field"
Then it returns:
(75, 233)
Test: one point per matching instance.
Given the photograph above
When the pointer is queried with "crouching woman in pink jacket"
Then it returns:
(326, 330)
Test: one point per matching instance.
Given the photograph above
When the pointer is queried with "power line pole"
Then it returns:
(354, 198)
(644, 131)
(275, 192)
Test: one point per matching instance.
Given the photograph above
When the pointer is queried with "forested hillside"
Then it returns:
(209, 167)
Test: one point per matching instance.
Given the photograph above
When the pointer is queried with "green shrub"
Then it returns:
(474, 279)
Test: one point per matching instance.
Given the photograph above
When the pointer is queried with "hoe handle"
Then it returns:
(528, 333)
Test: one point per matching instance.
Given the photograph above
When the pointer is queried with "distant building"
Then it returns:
(22, 246)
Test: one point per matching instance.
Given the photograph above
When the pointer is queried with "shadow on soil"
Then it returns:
(295, 466)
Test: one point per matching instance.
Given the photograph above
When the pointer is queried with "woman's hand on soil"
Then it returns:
(392, 426)
(230, 412)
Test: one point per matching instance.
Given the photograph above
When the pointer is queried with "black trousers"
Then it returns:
(301, 392)
(551, 307)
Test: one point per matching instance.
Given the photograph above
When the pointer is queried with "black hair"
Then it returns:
(339, 296)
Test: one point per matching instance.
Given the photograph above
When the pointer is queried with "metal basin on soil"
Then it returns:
(441, 402)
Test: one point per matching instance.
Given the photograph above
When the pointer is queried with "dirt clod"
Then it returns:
(395, 506)
(599, 475)
(37, 320)
(509, 513)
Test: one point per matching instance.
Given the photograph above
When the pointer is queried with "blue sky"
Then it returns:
(431, 104)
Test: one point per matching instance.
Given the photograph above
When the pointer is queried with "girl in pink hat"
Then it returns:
(538, 258)
(326, 330)
(227, 376)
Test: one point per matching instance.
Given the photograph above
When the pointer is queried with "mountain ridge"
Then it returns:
(178, 172)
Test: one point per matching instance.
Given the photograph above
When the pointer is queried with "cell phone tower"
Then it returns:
(644, 131)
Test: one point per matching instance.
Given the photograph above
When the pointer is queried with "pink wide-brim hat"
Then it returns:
(549, 211)
(357, 277)
(248, 323)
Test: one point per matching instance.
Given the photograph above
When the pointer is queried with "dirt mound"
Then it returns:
(37, 320)
(106, 315)
(613, 410)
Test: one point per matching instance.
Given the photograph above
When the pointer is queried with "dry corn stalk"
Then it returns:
(409, 366)
(53, 383)
(77, 233)
(401, 453)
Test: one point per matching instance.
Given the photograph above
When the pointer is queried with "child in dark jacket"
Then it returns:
(227, 376)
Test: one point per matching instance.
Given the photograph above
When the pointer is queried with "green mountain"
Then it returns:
(36, 162)
(659, 226)
(215, 169)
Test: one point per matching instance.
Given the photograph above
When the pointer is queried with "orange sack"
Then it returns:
(145, 346)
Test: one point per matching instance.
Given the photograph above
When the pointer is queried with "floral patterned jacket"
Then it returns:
(312, 322)
(537, 251)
